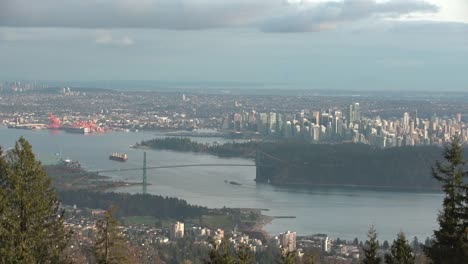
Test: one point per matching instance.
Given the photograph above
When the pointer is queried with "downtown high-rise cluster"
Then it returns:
(348, 125)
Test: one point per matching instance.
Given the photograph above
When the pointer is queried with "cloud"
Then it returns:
(165, 14)
(268, 15)
(326, 15)
(126, 41)
(15, 35)
(105, 37)
(9, 35)
(430, 27)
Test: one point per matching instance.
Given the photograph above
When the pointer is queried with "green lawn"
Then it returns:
(146, 220)
(218, 221)
(211, 221)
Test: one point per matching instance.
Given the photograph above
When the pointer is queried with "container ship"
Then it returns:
(79, 130)
(118, 157)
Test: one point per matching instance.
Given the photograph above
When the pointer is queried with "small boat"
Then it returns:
(70, 163)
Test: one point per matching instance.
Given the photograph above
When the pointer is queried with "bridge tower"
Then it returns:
(145, 179)
(257, 164)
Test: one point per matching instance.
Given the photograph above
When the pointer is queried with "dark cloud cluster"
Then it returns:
(165, 14)
(268, 15)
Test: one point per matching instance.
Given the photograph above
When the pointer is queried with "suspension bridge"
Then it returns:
(259, 157)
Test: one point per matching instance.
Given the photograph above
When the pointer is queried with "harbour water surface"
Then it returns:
(339, 212)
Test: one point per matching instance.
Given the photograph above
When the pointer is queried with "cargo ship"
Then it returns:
(118, 157)
(78, 130)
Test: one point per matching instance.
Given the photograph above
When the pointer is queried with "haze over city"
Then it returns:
(346, 45)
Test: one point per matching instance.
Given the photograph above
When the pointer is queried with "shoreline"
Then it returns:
(65, 177)
(354, 186)
(258, 229)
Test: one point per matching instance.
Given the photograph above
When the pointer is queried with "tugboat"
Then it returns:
(70, 163)
(118, 156)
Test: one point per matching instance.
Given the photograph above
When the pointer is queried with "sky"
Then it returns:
(317, 44)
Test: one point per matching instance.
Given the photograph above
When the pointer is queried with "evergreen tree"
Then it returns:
(288, 257)
(270, 254)
(385, 245)
(356, 242)
(110, 245)
(371, 248)
(244, 255)
(309, 259)
(31, 222)
(450, 243)
(400, 252)
(415, 245)
(220, 253)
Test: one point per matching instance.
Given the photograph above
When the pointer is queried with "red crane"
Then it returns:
(54, 122)
(91, 125)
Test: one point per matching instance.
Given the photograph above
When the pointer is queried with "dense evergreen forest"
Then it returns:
(298, 163)
(348, 164)
(133, 204)
(246, 150)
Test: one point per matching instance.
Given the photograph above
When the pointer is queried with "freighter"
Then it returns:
(118, 156)
(79, 130)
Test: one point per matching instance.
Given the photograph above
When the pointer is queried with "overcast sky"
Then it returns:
(321, 44)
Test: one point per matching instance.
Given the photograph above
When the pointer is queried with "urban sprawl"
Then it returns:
(316, 119)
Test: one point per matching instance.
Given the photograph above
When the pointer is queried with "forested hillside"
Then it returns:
(133, 204)
(348, 164)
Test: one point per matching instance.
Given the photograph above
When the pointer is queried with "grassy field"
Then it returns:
(147, 220)
(218, 221)
(210, 221)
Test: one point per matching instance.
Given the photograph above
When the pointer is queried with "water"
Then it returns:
(339, 212)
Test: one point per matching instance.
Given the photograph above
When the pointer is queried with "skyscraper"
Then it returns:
(271, 122)
(262, 122)
(177, 230)
(350, 116)
(415, 115)
(326, 245)
(316, 116)
(406, 122)
(279, 124)
(357, 112)
(354, 113)
(287, 240)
